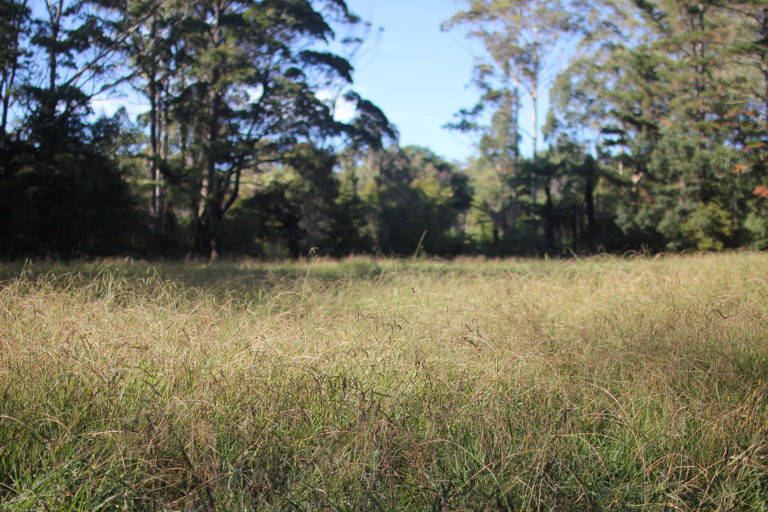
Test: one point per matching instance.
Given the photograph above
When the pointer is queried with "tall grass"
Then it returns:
(600, 384)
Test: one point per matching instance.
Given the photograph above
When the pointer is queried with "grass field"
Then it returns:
(597, 384)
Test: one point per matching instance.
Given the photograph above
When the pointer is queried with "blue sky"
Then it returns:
(416, 73)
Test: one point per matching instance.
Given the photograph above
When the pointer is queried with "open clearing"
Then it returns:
(598, 384)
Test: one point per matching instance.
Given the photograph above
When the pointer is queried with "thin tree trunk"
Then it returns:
(516, 166)
(8, 86)
(160, 187)
(589, 201)
(183, 127)
(535, 159)
(154, 174)
(515, 112)
(210, 191)
(535, 101)
(574, 227)
(212, 214)
(549, 221)
(153, 148)
(49, 107)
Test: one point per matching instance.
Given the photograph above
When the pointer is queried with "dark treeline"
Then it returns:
(655, 139)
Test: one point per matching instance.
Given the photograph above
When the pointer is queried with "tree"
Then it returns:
(14, 20)
(747, 45)
(415, 200)
(75, 50)
(254, 70)
(233, 87)
(62, 192)
(752, 47)
(523, 42)
(660, 95)
(150, 47)
(499, 148)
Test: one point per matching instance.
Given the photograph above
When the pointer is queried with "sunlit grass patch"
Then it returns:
(603, 383)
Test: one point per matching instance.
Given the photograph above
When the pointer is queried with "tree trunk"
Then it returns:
(589, 200)
(49, 102)
(549, 221)
(574, 227)
(533, 172)
(154, 210)
(535, 101)
(7, 86)
(154, 128)
(210, 193)
(515, 154)
(211, 215)
(160, 188)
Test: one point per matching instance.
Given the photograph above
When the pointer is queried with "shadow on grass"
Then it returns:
(248, 275)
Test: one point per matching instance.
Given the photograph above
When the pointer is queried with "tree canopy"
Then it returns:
(655, 138)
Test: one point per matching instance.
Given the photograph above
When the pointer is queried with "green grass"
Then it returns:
(597, 384)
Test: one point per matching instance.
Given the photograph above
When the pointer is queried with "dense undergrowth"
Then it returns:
(600, 384)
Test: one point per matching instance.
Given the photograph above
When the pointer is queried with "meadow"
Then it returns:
(596, 384)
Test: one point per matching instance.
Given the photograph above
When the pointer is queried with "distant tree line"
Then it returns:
(657, 132)
(655, 140)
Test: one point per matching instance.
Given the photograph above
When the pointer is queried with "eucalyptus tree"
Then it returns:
(150, 49)
(499, 148)
(14, 21)
(523, 43)
(253, 74)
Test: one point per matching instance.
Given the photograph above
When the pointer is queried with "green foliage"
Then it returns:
(266, 225)
(756, 226)
(232, 87)
(708, 228)
(657, 135)
(415, 202)
(349, 232)
(14, 21)
(667, 98)
(69, 202)
(235, 85)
